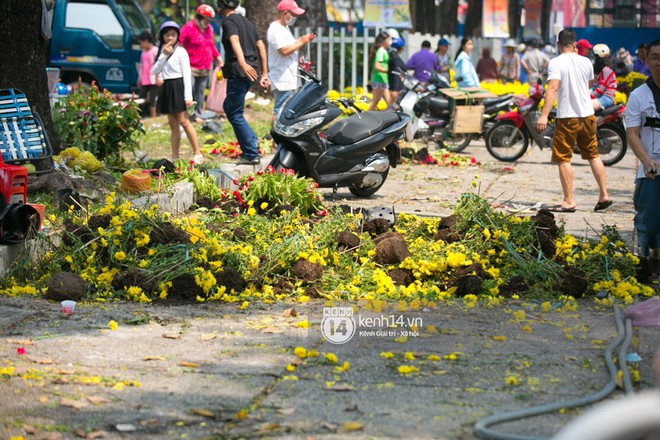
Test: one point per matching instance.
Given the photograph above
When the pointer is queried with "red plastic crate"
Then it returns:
(13, 183)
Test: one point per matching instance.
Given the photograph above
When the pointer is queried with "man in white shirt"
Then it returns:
(283, 53)
(570, 77)
(643, 130)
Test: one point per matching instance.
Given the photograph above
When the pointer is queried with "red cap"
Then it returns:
(290, 6)
(584, 43)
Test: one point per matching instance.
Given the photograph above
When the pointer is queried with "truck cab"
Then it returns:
(96, 40)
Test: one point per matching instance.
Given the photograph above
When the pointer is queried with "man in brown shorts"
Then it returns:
(570, 77)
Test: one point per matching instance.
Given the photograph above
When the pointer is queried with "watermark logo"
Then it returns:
(338, 325)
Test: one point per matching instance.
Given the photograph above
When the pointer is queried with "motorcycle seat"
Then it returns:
(360, 126)
(438, 104)
(494, 101)
(608, 110)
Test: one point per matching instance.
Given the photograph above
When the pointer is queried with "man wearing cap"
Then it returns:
(283, 53)
(583, 47)
(535, 63)
(510, 63)
(444, 60)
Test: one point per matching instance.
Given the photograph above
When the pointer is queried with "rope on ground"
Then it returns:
(481, 428)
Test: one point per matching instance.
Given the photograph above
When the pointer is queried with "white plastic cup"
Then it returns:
(68, 307)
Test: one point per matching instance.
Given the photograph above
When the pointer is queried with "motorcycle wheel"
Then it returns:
(368, 191)
(612, 144)
(499, 146)
(457, 142)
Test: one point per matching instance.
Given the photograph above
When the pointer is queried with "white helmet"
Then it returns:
(393, 33)
(601, 50)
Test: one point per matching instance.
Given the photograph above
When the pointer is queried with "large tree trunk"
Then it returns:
(315, 15)
(261, 13)
(473, 18)
(25, 57)
(514, 19)
(447, 17)
(546, 6)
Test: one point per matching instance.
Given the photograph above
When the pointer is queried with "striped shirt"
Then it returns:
(605, 83)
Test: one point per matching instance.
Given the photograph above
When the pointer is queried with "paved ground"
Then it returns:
(214, 371)
(432, 190)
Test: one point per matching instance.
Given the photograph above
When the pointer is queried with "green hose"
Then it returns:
(481, 429)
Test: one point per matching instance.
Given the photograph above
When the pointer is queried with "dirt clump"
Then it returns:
(401, 277)
(468, 284)
(167, 233)
(347, 240)
(477, 268)
(74, 235)
(307, 271)
(376, 226)
(66, 285)
(573, 282)
(231, 279)
(447, 229)
(239, 234)
(515, 285)
(99, 221)
(547, 232)
(184, 287)
(132, 277)
(391, 249)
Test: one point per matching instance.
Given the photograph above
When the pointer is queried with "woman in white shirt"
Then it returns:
(175, 95)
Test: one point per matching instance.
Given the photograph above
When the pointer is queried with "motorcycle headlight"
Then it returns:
(410, 83)
(296, 129)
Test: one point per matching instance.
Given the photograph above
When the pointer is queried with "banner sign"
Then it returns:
(495, 22)
(387, 13)
(344, 11)
(532, 29)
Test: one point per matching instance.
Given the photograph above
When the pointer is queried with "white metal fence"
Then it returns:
(341, 57)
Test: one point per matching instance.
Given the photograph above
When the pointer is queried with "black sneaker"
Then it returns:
(249, 160)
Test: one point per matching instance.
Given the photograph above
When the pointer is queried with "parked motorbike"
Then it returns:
(431, 114)
(356, 152)
(509, 138)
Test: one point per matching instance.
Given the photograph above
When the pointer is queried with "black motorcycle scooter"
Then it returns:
(356, 152)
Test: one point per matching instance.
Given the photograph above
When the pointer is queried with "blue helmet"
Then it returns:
(398, 43)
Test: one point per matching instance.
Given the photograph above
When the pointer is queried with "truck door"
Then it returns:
(94, 41)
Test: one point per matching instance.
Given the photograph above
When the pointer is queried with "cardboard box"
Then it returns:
(467, 119)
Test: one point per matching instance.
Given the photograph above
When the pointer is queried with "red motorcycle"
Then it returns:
(509, 138)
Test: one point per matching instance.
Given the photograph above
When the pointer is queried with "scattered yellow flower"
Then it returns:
(112, 325)
(301, 352)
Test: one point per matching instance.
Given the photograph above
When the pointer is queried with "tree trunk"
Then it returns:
(25, 58)
(514, 19)
(261, 13)
(546, 6)
(447, 24)
(314, 16)
(473, 18)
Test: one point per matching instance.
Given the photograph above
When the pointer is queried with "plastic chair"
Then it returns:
(22, 136)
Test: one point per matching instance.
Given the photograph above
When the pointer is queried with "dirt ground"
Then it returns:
(213, 371)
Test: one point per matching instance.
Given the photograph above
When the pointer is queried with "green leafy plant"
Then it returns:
(93, 120)
(281, 187)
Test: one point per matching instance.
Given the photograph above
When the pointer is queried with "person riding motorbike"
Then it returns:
(605, 87)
